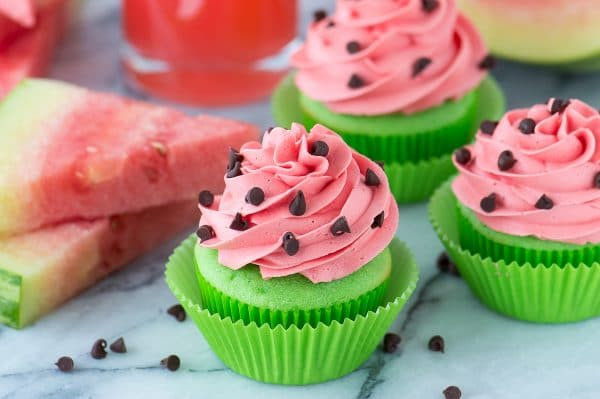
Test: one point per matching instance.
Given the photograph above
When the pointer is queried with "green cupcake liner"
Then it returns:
(217, 302)
(293, 356)
(526, 291)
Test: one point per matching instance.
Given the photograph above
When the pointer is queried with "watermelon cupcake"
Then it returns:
(522, 219)
(297, 255)
(405, 83)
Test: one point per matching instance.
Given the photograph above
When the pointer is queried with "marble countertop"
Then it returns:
(487, 355)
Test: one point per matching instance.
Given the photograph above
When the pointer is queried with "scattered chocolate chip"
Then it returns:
(488, 204)
(290, 244)
(235, 171)
(380, 163)
(597, 180)
(452, 392)
(559, 105)
(340, 226)
(65, 364)
(330, 24)
(177, 311)
(462, 156)
(239, 223)
(99, 349)
(319, 148)
(436, 344)
(527, 126)
(255, 196)
(488, 62)
(506, 160)
(234, 157)
(118, 346)
(172, 362)
(544, 202)
(206, 198)
(378, 220)
(352, 47)
(355, 82)
(205, 233)
(488, 127)
(443, 262)
(298, 204)
(429, 5)
(371, 178)
(391, 342)
(419, 65)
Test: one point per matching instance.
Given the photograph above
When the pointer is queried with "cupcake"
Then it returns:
(298, 254)
(404, 83)
(522, 219)
(564, 33)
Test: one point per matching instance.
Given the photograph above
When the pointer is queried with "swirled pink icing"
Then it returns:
(334, 186)
(560, 160)
(392, 35)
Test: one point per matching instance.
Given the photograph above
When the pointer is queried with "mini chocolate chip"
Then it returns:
(506, 160)
(436, 344)
(544, 202)
(330, 24)
(118, 346)
(488, 204)
(488, 127)
(298, 204)
(340, 226)
(462, 156)
(234, 157)
(319, 15)
(559, 105)
(488, 62)
(177, 311)
(65, 364)
(597, 180)
(352, 47)
(239, 223)
(172, 362)
(290, 244)
(527, 126)
(355, 82)
(371, 178)
(380, 163)
(205, 233)
(429, 5)
(419, 65)
(378, 220)
(391, 342)
(99, 349)
(235, 171)
(206, 198)
(255, 196)
(319, 148)
(452, 392)
(443, 262)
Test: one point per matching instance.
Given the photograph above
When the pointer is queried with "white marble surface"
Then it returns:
(487, 355)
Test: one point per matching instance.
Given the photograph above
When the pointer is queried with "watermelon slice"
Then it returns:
(67, 153)
(41, 270)
(20, 11)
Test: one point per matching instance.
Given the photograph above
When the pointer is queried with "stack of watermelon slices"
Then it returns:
(89, 181)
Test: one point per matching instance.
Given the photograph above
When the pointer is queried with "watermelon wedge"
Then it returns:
(67, 153)
(43, 269)
(20, 11)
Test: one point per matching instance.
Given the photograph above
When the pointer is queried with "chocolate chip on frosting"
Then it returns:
(319, 148)
(371, 178)
(559, 105)
(527, 126)
(488, 204)
(352, 47)
(255, 196)
(319, 15)
(205, 233)
(488, 62)
(378, 220)
(239, 223)
(429, 5)
(235, 171)
(506, 160)
(544, 202)
(298, 204)
(488, 127)
(330, 24)
(290, 244)
(340, 226)
(355, 82)
(462, 156)
(206, 198)
(234, 157)
(597, 180)
(419, 65)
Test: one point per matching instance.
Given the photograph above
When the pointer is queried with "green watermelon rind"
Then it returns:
(11, 287)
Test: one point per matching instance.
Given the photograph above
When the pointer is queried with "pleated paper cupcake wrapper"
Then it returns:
(525, 291)
(292, 355)
(215, 301)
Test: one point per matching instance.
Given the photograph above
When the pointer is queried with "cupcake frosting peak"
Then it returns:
(300, 203)
(536, 172)
(385, 56)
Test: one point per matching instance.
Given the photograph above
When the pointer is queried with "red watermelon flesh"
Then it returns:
(67, 153)
(41, 270)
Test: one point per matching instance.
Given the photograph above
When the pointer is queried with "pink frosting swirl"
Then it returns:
(550, 186)
(342, 192)
(404, 57)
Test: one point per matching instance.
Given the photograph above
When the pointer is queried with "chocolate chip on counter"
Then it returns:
(443, 262)
(378, 220)
(255, 196)
(488, 204)
(452, 392)
(436, 344)
(99, 349)
(559, 105)
(527, 126)
(239, 223)
(118, 346)
(544, 202)
(371, 178)
(488, 127)
(391, 342)
(177, 311)
(298, 204)
(340, 226)
(171, 362)
(290, 244)
(462, 156)
(206, 198)
(352, 47)
(205, 233)
(488, 62)
(319, 148)
(355, 82)
(235, 171)
(597, 180)
(429, 5)
(319, 15)
(65, 364)
(420, 65)
(506, 160)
